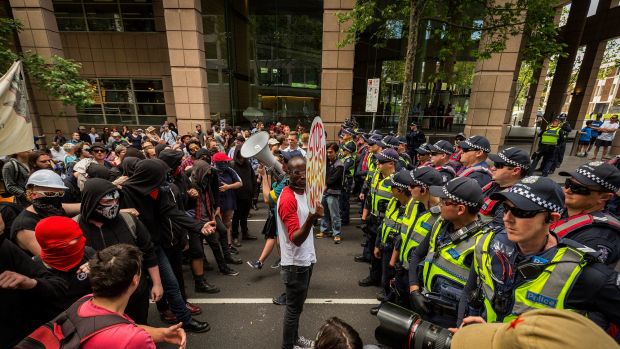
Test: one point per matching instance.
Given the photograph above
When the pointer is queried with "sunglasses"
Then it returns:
(444, 202)
(577, 188)
(50, 194)
(435, 153)
(499, 166)
(468, 150)
(519, 213)
(98, 151)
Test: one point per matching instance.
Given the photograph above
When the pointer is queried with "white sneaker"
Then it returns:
(303, 342)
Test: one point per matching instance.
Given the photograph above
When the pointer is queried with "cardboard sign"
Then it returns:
(316, 164)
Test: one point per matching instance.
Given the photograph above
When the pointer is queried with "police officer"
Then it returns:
(509, 166)
(402, 211)
(347, 159)
(368, 168)
(413, 229)
(565, 129)
(447, 252)
(380, 195)
(549, 140)
(415, 138)
(440, 158)
(423, 157)
(526, 266)
(586, 193)
(474, 153)
(405, 159)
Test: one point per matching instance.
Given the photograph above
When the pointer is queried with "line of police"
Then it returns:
(455, 237)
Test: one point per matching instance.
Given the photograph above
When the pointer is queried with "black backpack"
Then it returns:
(69, 330)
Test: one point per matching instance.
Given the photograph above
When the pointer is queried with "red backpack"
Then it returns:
(69, 330)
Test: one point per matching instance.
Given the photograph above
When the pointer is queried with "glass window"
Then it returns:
(105, 15)
(126, 101)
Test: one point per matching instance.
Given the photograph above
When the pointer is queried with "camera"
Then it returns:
(400, 328)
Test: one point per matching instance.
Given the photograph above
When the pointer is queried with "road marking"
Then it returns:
(263, 220)
(352, 301)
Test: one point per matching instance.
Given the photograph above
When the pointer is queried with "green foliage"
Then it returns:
(57, 76)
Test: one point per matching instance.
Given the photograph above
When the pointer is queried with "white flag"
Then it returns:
(15, 123)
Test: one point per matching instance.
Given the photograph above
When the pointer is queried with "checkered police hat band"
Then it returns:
(598, 180)
(398, 184)
(388, 157)
(458, 199)
(536, 199)
(416, 181)
(512, 162)
(475, 146)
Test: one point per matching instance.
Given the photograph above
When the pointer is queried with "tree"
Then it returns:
(57, 76)
(456, 24)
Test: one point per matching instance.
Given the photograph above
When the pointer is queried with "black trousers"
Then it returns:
(240, 218)
(297, 280)
(373, 226)
(196, 249)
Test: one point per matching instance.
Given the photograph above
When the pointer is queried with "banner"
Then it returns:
(316, 164)
(15, 124)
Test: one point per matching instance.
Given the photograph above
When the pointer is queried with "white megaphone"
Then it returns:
(256, 147)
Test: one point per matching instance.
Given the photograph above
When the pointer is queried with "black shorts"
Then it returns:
(584, 142)
(602, 143)
(592, 140)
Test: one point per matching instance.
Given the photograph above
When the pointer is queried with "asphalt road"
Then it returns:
(242, 315)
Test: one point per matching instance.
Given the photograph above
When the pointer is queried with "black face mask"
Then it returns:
(48, 206)
(222, 165)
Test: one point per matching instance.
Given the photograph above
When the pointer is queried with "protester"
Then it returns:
(244, 196)
(331, 223)
(15, 174)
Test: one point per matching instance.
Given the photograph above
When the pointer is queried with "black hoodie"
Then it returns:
(148, 192)
(128, 165)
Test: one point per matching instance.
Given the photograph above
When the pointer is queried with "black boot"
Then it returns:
(202, 286)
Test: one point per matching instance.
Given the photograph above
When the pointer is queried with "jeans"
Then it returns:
(331, 204)
(172, 292)
(297, 280)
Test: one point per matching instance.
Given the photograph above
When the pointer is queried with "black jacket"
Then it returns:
(415, 139)
(244, 169)
(334, 177)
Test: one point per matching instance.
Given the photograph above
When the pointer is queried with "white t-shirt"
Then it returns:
(293, 209)
(608, 136)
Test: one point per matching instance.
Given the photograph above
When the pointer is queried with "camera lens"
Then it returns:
(402, 328)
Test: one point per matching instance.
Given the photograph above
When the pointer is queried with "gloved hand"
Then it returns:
(418, 301)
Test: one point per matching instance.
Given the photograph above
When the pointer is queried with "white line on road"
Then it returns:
(354, 301)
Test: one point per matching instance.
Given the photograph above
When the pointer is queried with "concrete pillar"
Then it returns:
(337, 68)
(571, 36)
(184, 33)
(493, 94)
(40, 35)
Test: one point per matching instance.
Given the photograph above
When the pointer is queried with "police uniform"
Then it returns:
(504, 283)
(348, 162)
(405, 158)
(549, 140)
(599, 230)
(380, 195)
(447, 171)
(565, 129)
(424, 149)
(480, 171)
(492, 210)
(446, 255)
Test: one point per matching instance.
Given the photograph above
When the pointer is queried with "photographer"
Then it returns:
(447, 252)
(528, 267)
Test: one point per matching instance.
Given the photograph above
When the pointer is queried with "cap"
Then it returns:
(139, 130)
(476, 142)
(597, 173)
(424, 149)
(464, 190)
(349, 146)
(373, 139)
(273, 141)
(512, 157)
(97, 145)
(401, 179)
(389, 142)
(402, 140)
(460, 136)
(541, 328)
(47, 179)
(81, 128)
(150, 129)
(220, 157)
(413, 124)
(388, 154)
(426, 176)
(348, 131)
(442, 147)
(534, 193)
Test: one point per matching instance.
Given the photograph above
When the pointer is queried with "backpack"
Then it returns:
(69, 330)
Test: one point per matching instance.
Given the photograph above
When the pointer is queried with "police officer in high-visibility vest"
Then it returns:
(348, 160)
(423, 156)
(565, 129)
(440, 158)
(509, 166)
(390, 141)
(380, 195)
(446, 253)
(369, 224)
(413, 228)
(402, 211)
(405, 158)
(586, 193)
(474, 153)
(526, 266)
(549, 140)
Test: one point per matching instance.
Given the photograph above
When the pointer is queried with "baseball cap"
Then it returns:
(541, 328)
(512, 157)
(534, 193)
(82, 128)
(388, 154)
(97, 145)
(464, 190)
(460, 136)
(47, 179)
(220, 157)
(476, 142)
(401, 179)
(348, 131)
(349, 146)
(389, 142)
(426, 176)
(597, 173)
(273, 141)
(373, 139)
(402, 140)
(442, 146)
(424, 149)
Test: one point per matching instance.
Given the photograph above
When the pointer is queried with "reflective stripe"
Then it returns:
(448, 267)
(551, 136)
